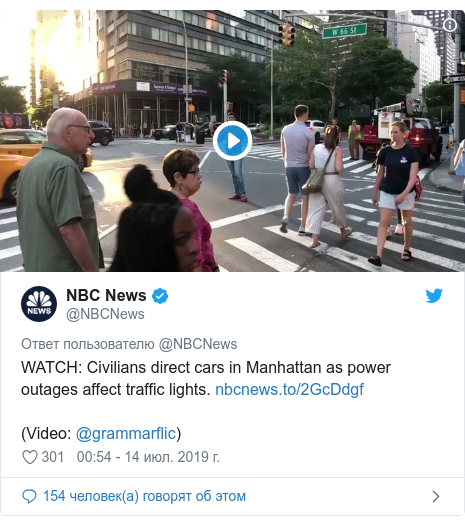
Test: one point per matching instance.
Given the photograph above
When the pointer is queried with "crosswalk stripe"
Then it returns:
(9, 234)
(439, 225)
(417, 254)
(334, 252)
(246, 215)
(438, 214)
(262, 254)
(425, 204)
(351, 190)
(8, 210)
(10, 252)
(430, 237)
(7, 220)
(362, 208)
(440, 200)
(362, 169)
(439, 193)
(353, 163)
(355, 218)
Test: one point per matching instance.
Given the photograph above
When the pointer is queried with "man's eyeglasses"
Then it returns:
(88, 128)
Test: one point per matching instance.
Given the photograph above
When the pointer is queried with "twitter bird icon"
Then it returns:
(433, 297)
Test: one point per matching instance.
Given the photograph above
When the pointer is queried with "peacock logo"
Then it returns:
(39, 304)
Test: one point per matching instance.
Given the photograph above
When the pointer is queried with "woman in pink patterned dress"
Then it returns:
(181, 169)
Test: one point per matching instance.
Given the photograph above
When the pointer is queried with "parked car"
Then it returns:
(29, 142)
(254, 127)
(206, 128)
(10, 166)
(318, 127)
(102, 131)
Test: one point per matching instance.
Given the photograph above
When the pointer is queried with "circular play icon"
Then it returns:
(232, 141)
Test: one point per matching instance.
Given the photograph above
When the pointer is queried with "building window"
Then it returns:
(100, 47)
(180, 40)
(155, 33)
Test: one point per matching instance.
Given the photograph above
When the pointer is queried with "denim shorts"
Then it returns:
(296, 178)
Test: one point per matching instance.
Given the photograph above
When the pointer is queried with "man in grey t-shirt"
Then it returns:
(297, 143)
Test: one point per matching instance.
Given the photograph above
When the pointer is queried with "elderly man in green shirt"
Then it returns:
(56, 215)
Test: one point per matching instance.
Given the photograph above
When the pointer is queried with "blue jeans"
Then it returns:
(235, 167)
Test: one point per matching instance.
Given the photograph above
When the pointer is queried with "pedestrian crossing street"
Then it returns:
(438, 245)
(439, 239)
(361, 169)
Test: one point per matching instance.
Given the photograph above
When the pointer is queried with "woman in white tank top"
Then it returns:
(333, 188)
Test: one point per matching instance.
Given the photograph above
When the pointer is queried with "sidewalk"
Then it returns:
(443, 179)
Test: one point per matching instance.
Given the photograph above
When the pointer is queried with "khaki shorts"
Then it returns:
(389, 201)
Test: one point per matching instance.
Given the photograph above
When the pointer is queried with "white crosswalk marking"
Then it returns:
(334, 252)
(256, 251)
(418, 254)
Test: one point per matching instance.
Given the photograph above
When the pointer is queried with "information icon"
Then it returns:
(450, 25)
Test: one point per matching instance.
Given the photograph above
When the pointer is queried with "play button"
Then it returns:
(232, 141)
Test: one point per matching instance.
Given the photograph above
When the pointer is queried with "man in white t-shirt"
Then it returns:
(297, 143)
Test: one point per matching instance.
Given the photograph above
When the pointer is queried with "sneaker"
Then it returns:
(284, 224)
(235, 196)
(301, 231)
(389, 232)
(244, 198)
(399, 230)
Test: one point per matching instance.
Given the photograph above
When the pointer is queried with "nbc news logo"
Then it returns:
(39, 304)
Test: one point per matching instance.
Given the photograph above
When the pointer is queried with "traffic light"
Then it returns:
(286, 35)
(224, 78)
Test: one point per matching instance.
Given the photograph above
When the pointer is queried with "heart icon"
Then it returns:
(30, 456)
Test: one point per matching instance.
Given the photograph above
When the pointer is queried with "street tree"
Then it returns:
(45, 108)
(308, 73)
(375, 74)
(12, 99)
(247, 80)
(438, 94)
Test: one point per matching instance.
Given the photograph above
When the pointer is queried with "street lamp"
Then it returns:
(187, 74)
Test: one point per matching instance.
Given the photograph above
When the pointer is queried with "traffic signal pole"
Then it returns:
(458, 45)
(225, 102)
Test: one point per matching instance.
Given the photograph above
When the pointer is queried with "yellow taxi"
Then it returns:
(10, 166)
(29, 142)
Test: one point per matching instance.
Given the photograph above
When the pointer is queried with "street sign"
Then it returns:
(453, 79)
(55, 101)
(6, 77)
(345, 31)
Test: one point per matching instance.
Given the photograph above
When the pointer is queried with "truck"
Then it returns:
(421, 133)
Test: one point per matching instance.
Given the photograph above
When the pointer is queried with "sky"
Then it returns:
(15, 64)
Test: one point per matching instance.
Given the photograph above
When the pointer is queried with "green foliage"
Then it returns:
(438, 94)
(247, 80)
(45, 108)
(308, 72)
(12, 99)
(376, 74)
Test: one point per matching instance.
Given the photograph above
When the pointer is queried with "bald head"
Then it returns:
(70, 129)
(61, 119)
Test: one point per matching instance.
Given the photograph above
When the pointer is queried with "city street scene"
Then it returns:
(295, 120)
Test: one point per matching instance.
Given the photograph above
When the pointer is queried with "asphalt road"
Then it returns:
(246, 236)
